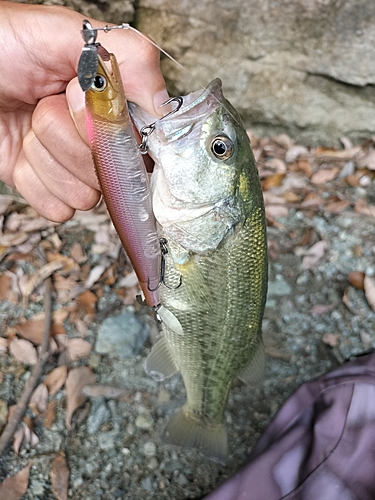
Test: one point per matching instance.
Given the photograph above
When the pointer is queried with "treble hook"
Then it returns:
(164, 251)
(147, 130)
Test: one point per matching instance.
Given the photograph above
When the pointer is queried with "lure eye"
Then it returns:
(99, 83)
(222, 147)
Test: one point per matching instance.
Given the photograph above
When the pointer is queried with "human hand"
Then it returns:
(44, 153)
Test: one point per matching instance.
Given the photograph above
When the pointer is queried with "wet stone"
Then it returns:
(146, 483)
(144, 421)
(122, 336)
(37, 488)
(182, 480)
(99, 415)
(279, 288)
(106, 440)
(149, 449)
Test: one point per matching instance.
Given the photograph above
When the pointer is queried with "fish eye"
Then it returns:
(99, 83)
(222, 147)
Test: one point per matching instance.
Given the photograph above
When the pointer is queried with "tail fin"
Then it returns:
(185, 429)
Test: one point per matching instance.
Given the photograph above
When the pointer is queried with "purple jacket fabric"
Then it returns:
(320, 445)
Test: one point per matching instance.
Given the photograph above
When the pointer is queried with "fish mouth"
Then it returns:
(194, 105)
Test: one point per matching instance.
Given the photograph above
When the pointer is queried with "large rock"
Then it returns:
(306, 67)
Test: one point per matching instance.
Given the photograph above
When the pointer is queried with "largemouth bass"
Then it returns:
(208, 204)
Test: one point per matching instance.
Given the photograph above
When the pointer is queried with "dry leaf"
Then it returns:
(272, 181)
(38, 400)
(107, 391)
(5, 286)
(12, 239)
(87, 300)
(332, 339)
(321, 308)
(77, 379)
(77, 253)
(94, 275)
(356, 278)
(369, 287)
(336, 207)
(60, 476)
(50, 416)
(67, 263)
(294, 152)
(23, 351)
(324, 175)
(3, 413)
(78, 348)
(3, 345)
(56, 379)
(18, 438)
(14, 487)
(314, 255)
(362, 208)
(275, 205)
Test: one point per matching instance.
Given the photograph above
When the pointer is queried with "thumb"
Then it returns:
(75, 97)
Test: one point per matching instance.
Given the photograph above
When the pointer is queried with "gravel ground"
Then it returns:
(114, 448)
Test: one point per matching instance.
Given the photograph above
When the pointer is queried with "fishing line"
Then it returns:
(127, 26)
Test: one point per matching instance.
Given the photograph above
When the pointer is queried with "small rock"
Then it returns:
(164, 396)
(149, 449)
(182, 480)
(153, 464)
(121, 336)
(146, 483)
(144, 421)
(77, 483)
(279, 288)
(37, 488)
(106, 440)
(3, 413)
(99, 415)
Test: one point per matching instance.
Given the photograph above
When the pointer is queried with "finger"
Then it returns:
(54, 128)
(37, 195)
(59, 181)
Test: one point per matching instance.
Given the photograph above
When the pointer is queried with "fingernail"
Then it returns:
(75, 96)
(160, 98)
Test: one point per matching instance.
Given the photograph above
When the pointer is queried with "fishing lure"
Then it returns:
(119, 166)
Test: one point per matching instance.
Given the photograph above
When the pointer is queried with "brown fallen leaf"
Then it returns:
(314, 254)
(77, 253)
(67, 263)
(38, 400)
(32, 329)
(60, 476)
(23, 351)
(56, 379)
(321, 308)
(324, 175)
(272, 181)
(77, 379)
(369, 287)
(332, 339)
(50, 415)
(5, 286)
(336, 207)
(78, 348)
(356, 278)
(14, 487)
(3, 345)
(3, 413)
(107, 391)
(362, 208)
(275, 205)
(87, 301)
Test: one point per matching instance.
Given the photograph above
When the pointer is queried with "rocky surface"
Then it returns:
(320, 231)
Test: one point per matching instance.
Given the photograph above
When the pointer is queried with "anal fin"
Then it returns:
(160, 363)
(185, 429)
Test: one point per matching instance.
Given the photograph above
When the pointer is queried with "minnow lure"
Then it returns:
(120, 168)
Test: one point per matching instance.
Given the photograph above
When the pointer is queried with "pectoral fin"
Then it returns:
(160, 363)
(170, 320)
(253, 372)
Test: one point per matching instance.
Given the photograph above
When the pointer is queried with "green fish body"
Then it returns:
(209, 208)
